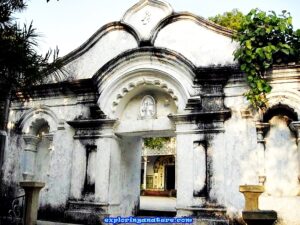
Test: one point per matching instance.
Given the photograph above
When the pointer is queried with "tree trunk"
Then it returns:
(3, 126)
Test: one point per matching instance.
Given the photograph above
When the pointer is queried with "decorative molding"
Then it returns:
(93, 128)
(165, 69)
(145, 16)
(295, 126)
(31, 142)
(150, 53)
(148, 107)
(30, 116)
(290, 98)
(92, 123)
(140, 82)
(261, 129)
(246, 113)
(196, 19)
(79, 88)
(212, 116)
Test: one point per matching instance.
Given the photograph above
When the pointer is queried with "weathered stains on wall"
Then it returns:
(12, 158)
(54, 160)
(234, 161)
(130, 174)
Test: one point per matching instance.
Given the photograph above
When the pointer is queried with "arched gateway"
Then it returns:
(155, 73)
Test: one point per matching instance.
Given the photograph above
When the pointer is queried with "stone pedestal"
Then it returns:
(32, 190)
(252, 215)
(251, 193)
(260, 217)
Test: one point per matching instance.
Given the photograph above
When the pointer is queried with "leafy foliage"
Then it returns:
(231, 20)
(20, 64)
(156, 143)
(265, 39)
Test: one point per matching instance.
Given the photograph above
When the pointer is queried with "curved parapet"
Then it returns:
(108, 42)
(156, 68)
(151, 23)
(202, 42)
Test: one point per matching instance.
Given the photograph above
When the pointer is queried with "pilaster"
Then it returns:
(261, 129)
(295, 126)
(30, 151)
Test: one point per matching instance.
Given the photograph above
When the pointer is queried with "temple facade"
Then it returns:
(156, 73)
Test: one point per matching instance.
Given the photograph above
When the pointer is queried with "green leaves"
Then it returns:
(20, 65)
(248, 44)
(231, 20)
(156, 143)
(265, 39)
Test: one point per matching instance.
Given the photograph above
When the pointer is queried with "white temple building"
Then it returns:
(156, 73)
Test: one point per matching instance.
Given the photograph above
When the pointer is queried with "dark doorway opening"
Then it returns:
(170, 177)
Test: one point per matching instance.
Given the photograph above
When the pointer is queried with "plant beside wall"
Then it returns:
(156, 142)
(265, 39)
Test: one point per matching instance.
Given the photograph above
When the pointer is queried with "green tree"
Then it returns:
(231, 20)
(265, 39)
(20, 65)
(156, 142)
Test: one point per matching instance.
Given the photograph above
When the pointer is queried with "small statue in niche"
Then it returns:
(148, 107)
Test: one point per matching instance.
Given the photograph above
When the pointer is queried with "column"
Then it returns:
(107, 183)
(78, 170)
(261, 129)
(295, 126)
(184, 169)
(145, 173)
(30, 150)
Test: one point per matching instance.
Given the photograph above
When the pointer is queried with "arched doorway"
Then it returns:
(143, 94)
(142, 118)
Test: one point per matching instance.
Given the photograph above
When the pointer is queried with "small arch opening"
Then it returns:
(281, 110)
(39, 127)
(281, 157)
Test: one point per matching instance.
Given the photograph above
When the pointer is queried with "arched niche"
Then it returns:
(37, 127)
(29, 121)
(144, 110)
(285, 99)
(281, 152)
(134, 105)
(138, 69)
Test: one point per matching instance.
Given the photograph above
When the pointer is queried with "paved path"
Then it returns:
(158, 203)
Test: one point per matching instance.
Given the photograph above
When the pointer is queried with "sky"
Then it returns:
(69, 23)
